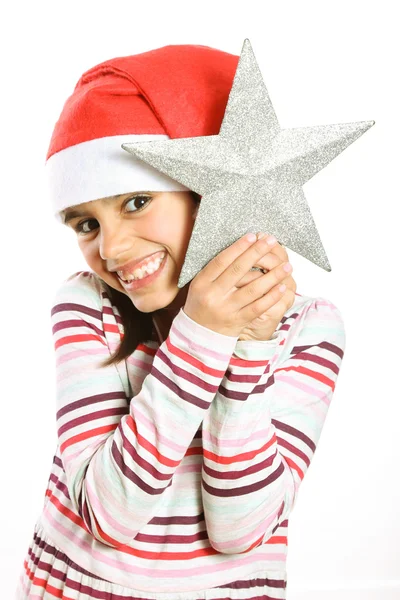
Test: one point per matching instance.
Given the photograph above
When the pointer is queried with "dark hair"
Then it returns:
(138, 326)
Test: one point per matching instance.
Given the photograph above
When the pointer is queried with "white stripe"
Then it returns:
(100, 168)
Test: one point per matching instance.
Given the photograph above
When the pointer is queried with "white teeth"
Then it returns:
(150, 268)
(153, 266)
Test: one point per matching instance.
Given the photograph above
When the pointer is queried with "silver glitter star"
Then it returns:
(250, 175)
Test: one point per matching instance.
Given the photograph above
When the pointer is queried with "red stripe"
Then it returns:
(293, 465)
(111, 328)
(196, 451)
(106, 537)
(278, 539)
(146, 349)
(228, 460)
(85, 337)
(69, 514)
(294, 449)
(255, 544)
(75, 439)
(310, 373)
(244, 362)
(149, 447)
(44, 585)
(198, 364)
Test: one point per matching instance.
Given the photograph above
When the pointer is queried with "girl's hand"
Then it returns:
(264, 326)
(214, 299)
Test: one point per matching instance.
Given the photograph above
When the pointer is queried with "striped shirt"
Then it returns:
(176, 469)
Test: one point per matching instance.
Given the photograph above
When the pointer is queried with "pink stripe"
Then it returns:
(199, 347)
(264, 435)
(25, 587)
(314, 306)
(248, 539)
(323, 302)
(113, 345)
(321, 394)
(258, 513)
(171, 424)
(99, 511)
(61, 359)
(141, 364)
(191, 468)
(93, 446)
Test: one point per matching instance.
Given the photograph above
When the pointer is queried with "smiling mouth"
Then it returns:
(147, 279)
(151, 266)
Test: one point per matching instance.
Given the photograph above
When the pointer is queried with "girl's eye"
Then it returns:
(139, 197)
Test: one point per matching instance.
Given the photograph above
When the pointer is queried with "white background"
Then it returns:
(322, 62)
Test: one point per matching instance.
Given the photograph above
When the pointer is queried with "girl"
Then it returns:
(187, 418)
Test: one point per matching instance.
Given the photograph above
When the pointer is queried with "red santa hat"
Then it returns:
(172, 92)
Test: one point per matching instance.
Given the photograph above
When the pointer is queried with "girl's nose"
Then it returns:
(114, 240)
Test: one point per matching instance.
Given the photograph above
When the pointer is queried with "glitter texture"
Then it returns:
(250, 175)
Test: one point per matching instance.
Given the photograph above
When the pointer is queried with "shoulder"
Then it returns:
(313, 306)
(82, 287)
(314, 319)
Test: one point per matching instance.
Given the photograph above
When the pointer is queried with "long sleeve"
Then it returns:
(263, 425)
(119, 454)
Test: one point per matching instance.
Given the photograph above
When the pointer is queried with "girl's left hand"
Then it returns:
(264, 326)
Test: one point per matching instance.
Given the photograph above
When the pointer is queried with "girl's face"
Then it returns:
(114, 231)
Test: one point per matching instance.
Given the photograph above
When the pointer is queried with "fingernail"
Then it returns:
(251, 237)
(287, 267)
(271, 240)
(260, 235)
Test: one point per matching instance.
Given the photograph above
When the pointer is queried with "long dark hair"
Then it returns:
(138, 326)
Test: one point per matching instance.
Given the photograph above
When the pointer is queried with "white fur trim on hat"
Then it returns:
(100, 168)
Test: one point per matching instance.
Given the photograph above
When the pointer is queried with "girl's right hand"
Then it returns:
(214, 302)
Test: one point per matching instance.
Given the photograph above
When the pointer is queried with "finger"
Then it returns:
(289, 298)
(285, 300)
(250, 295)
(290, 283)
(280, 252)
(234, 272)
(279, 301)
(222, 261)
(267, 262)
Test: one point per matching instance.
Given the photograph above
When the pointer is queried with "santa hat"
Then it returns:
(171, 92)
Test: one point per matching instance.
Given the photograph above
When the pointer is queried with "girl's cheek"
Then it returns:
(89, 252)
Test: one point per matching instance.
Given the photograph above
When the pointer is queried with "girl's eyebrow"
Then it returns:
(73, 212)
(71, 215)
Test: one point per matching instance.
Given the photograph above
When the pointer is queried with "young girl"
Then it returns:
(186, 418)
